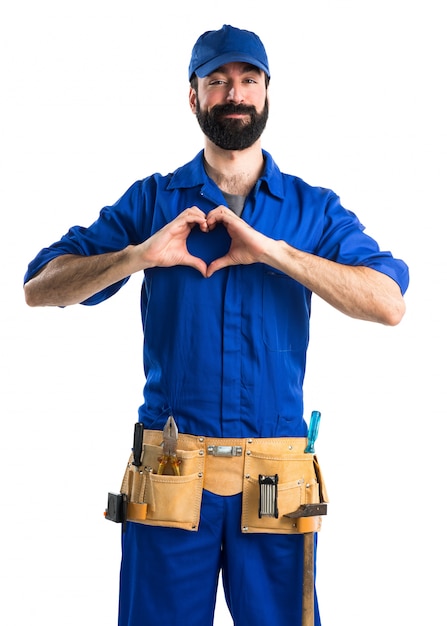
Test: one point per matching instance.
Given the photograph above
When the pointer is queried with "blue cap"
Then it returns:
(227, 45)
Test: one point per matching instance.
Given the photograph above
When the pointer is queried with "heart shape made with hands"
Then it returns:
(209, 246)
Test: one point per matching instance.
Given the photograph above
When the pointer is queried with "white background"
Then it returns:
(94, 96)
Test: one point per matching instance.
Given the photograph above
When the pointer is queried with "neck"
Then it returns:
(235, 171)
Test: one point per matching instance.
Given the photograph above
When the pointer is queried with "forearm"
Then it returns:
(70, 279)
(359, 292)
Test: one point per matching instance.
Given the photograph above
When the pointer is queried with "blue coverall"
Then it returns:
(226, 357)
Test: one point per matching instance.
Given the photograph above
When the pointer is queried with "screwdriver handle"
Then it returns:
(312, 435)
(138, 443)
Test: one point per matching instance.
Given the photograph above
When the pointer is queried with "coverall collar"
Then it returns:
(193, 174)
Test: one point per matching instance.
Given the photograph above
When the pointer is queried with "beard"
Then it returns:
(230, 133)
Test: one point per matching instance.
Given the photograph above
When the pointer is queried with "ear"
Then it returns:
(192, 100)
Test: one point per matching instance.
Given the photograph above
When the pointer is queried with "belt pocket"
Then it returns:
(165, 499)
(297, 484)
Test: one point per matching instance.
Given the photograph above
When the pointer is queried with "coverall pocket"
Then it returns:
(285, 314)
(164, 499)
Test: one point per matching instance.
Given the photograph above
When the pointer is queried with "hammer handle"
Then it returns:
(307, 616)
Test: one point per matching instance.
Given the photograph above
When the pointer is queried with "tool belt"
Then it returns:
(282, 486)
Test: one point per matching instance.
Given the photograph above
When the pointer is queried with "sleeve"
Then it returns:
(344, 240)
(119, 225)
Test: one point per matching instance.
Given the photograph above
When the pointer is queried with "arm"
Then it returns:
(359, 292)
(70, 279)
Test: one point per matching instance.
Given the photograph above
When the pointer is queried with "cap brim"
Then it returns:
(229, 57)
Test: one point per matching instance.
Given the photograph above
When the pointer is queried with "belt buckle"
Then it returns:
(227, 451)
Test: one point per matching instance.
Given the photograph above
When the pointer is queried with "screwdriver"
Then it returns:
(312, 435)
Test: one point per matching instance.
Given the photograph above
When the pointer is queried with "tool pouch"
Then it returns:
(164, 499)
(290, 479)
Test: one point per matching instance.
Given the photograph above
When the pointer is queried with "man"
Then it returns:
(231, 250)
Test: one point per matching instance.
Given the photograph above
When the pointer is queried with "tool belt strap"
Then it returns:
(225, 457)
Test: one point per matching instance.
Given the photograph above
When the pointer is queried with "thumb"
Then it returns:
(218, 264)
(196, 263)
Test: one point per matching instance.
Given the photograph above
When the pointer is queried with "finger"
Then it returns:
(193, 216)
(220, 214)
(193, 210)
(220, 209)
(196, 263)
(218, 264)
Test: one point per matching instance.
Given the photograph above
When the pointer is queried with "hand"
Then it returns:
(247, 245)
(167, 247)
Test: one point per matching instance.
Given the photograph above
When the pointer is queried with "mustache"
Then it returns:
(228, 109)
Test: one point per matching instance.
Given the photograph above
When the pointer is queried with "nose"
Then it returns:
(235, 94)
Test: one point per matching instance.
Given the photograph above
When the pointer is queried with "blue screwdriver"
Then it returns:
(312, 435)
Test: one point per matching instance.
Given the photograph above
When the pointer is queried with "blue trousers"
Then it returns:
(170, 576)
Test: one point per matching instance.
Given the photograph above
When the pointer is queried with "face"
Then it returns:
(231, 105)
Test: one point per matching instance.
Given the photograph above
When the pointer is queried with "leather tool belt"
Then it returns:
(275, 475)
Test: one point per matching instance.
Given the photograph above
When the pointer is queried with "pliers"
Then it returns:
(170, 437)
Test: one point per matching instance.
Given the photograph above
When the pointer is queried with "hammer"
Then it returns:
(309, 511)
(308, 597)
